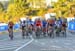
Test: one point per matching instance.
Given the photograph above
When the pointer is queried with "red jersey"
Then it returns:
(38, 23)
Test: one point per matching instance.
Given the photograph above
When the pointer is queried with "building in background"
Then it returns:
(41, 3)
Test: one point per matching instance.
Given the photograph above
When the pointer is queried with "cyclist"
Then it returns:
(10, 29)
(50, 31)
(38, 27)
(63, 29)
(27, 26)
(58, 25)
(23, 26)
(51, 23)
(64, 25)
(44, 27)
(30, 26)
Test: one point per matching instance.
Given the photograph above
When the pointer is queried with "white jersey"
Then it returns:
(57, 24)
(22, 23)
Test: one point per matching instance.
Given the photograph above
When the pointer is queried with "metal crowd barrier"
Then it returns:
(5, 27)
(71, 26)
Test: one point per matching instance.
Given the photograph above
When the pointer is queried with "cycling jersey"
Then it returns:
(60, 22)
(23, 23)
(31, 22)
(38, 23)
(44, 23)
(51, 22)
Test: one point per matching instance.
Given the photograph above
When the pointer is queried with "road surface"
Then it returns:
(33, 44)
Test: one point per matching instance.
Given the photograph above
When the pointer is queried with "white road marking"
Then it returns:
(25, 44)
(7, 48)
(10, 46)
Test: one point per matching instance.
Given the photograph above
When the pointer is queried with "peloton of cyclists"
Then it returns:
(40, 26)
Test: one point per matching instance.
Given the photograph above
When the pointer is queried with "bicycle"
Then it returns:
(63, 31)
(50, 32)
(23, 32)
(44, 31)
(38, 32)
(10, 33)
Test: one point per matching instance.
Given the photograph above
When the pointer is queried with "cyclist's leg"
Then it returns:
(11, 33)
(37, 32)
(23, 32)
(64, 32)
(57, 32)
(30, 30)
(44, 31)
(27, 31)
(52, 33)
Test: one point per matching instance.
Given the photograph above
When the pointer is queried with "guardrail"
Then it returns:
(71, 26)
(5, 27)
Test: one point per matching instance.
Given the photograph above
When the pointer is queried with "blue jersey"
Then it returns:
(60, 22)
(29, 22)
(44, 23)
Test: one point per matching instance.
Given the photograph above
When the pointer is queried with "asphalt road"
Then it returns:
(10, 45)
(33, 44)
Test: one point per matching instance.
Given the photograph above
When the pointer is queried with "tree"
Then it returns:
(1, 7)
(17, 9)
(63, 7)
